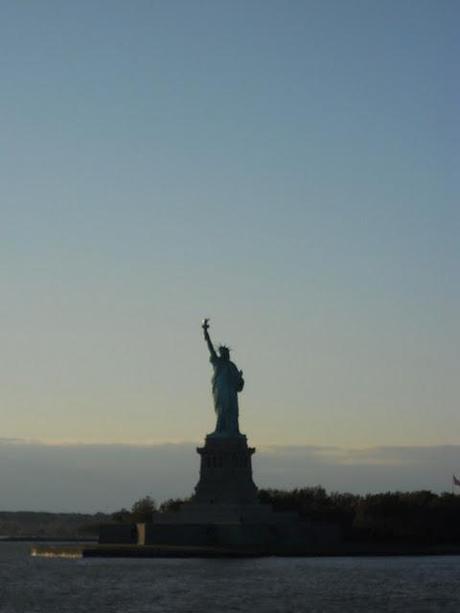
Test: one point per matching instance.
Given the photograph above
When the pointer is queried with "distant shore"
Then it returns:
(46, 526)
(46, 539)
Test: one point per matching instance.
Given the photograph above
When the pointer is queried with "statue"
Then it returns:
(227, 381)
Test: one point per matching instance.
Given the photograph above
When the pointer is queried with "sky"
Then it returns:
(288, 169)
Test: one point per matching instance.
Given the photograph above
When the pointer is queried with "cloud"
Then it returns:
(64, 476)
(360, 470)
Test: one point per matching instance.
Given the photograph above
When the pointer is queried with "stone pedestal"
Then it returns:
(225, 472)
(225, 493)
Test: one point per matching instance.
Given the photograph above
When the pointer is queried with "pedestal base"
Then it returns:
(225, 472)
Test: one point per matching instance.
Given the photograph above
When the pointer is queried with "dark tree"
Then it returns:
(173, 504)
(143, 510)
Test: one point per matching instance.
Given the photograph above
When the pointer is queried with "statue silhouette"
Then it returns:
(227, 381)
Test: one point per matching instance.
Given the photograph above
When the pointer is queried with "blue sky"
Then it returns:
(289, 169)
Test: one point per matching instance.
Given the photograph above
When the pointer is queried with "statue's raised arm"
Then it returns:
(207, 338)
(227, 382)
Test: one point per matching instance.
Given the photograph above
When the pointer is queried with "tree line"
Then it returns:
(399, 517)
(421, 517)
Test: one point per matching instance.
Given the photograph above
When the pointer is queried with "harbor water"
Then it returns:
(265, 585)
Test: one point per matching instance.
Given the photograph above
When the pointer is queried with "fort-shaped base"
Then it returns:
(225, 472)
(224, 511)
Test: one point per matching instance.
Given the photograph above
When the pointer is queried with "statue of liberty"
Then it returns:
(227, 381)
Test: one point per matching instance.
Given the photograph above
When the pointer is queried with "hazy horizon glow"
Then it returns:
(94, 477)
(289, 170)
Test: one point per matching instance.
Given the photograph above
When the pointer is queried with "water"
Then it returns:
(266, 585)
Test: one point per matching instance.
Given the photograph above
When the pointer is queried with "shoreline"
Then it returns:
(84, 550)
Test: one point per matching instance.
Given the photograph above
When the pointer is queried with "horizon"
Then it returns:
(68, 477)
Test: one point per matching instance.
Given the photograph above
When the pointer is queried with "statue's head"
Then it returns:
(224, 352)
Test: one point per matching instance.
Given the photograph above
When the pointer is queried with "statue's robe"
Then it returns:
(226, 383)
